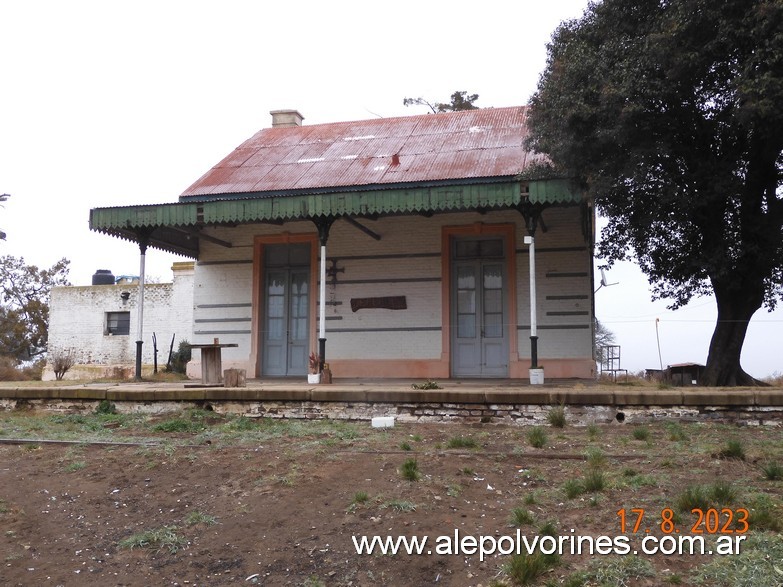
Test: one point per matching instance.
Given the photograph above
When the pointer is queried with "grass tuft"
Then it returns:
(640, 433)
(165, 538)
(536, 437)
(462, 442)
(522, 517)
(557, 417)
(772, 471)
(733, 450)
(410, 470)
(197, 517)
(526, 569)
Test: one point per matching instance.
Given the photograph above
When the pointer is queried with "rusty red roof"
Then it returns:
(485, 143)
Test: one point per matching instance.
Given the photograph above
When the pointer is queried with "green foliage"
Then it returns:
(522, 517)
(617, 571)
(595, 457)
(24, 306)
(772, 471)
(180, 358)
(410, 470)
(165, 538)
(641, 433)
(556, 417)
(668, 114)
(704, 497)
(676, 431)
(757, 564)
(194, 518)
(536, 437)
(733, 450)
(460, 100)
(594, 481)
(573, 488)
(462, 442)
(525, 569)
(428, 384)
(105, 407)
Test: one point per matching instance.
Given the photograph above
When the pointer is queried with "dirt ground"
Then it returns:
(267, 502)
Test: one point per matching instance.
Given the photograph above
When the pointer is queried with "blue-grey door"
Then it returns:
(479, 339)
(286, 310)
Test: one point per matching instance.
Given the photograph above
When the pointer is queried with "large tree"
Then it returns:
(670, 112)
(24, 306)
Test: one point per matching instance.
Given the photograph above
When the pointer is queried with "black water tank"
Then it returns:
(103, 277)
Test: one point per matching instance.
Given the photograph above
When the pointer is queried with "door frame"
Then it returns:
(259, 301)
(479, 229)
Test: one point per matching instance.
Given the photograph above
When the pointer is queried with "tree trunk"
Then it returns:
(723, 363)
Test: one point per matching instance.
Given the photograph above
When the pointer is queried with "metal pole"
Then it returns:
(322, 309)
(533, 323)
(140, 329)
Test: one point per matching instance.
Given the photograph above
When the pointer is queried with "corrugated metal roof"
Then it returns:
(485, 143)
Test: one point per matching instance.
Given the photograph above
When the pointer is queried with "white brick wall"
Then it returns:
(78, 314)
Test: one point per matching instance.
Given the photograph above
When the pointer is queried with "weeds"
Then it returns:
(619, 571)
(594, 481)
(557, 417)
(772, 471)
(360, 497)
(462, 442)
(400, 505)
(410, 470)
(595, 457)
(676, 432)
(536, 437)
(196, 517)
(428, 384)
(593, 432)
(522, 517)
(405, 445)
(757, 564)
(640, 433)
(525, 569)
(733, 450)
(703, 497)
(165, 538)
(105, 407)
(573, 488)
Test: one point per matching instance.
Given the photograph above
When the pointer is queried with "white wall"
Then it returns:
(77, 323)
(224, 278)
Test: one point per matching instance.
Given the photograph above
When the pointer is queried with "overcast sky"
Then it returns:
(111, 104)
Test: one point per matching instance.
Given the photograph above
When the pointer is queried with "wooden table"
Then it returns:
(211, 361)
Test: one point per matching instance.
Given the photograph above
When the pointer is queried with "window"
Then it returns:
(117, 323)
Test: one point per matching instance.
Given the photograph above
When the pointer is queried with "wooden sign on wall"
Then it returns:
(386, 303)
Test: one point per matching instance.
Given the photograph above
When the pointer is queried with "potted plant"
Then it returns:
(314, 376)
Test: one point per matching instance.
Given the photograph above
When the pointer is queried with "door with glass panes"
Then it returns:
(479, 308)
(286, 309)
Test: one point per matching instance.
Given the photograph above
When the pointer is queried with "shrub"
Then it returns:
(640, 433)
(62, 360)
(178, 362)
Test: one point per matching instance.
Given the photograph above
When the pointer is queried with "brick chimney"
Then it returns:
(286, 118)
